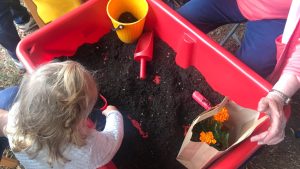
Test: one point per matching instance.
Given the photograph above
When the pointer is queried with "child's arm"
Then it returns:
(3, 121)
(106, 143)
(114, 123)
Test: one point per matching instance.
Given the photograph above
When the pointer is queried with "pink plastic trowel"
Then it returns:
(199, 98)
(144, 51)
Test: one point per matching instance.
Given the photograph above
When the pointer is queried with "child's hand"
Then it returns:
(108, 109)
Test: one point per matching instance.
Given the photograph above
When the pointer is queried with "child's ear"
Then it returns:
(84, 127)
(90, 124)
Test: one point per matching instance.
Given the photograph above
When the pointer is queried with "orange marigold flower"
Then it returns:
(222, 115)
(207, 137)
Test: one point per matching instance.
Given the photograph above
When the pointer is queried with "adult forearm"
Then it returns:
(289, 81)
(3, 121)
(288, 84)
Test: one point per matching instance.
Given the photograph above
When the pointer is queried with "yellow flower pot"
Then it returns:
(128, 32)
(49, 10)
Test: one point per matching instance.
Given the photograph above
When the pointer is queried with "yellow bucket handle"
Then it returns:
(119, 27)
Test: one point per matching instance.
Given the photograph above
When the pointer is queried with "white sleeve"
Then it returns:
(291, 22)
(105, 144)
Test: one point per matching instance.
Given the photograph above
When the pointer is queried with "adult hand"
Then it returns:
(108, 109)
(272, 104)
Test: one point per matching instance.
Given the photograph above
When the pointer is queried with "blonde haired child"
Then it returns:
(47, 125)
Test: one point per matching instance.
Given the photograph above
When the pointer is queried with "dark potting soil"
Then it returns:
(127, 17)
(162, 103)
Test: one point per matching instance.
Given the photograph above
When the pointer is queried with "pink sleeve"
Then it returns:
(289, 81)
(293, 63)
(264, 9)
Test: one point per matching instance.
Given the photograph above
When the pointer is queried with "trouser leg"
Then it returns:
(19, 12)
(258, 48)
(7, 97)
(210, 14)
(9, 37)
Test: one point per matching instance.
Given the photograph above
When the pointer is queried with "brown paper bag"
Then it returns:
(242, 122)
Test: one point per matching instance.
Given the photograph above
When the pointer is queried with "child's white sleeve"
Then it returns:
(105, 144)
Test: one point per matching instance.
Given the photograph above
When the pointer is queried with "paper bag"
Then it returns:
(242, 122)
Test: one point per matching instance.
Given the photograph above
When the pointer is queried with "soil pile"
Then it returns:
(161, 104)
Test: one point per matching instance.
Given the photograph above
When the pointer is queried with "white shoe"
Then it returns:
(27, 26)
(19, 65)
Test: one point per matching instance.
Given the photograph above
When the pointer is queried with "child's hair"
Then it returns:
(54, 102)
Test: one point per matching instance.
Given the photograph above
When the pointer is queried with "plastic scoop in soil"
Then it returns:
(144, 51)
(199, 98)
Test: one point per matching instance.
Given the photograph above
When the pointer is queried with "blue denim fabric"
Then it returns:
(7, 97)
(3, 145)
(210, 14)
(258, 49)
(10, 11)
(19, 12)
